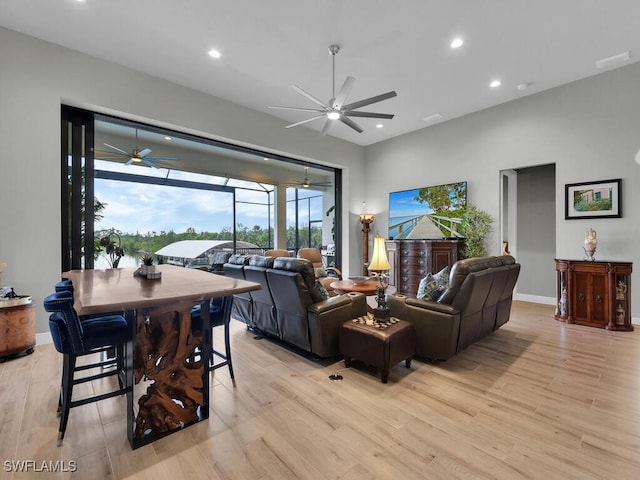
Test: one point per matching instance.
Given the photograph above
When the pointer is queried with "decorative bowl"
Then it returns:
(359, 280)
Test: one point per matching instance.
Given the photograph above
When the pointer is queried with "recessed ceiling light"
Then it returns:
(168, 138)
(265, 159)
(379, 125)
(613, 60)
(432, 118)
(214, 53)
(524, 86)
(457, 42)
(495, 83)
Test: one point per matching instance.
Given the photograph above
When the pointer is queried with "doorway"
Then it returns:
(528, 224)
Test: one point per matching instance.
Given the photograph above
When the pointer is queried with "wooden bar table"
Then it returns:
(166, 367)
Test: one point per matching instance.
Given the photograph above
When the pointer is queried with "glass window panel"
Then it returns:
(156, 215)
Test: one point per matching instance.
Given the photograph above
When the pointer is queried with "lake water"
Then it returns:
(126, 261)
(395, 231)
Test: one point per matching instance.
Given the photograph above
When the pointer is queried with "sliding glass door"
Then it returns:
(149, 186)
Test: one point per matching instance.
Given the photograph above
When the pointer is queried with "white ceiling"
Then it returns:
(401, 45)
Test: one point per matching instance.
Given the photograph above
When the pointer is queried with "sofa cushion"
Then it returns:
(239, 259)
(305, 269)
(433, 285)
(461, 269)
(264, 261)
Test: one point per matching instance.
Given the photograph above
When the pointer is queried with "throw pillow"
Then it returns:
(432, 286)
(320, 272)
(442, 277)
(323, 291)
(427, 285)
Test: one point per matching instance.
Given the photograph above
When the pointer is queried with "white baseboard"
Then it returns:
(43, 338)
(535, 299)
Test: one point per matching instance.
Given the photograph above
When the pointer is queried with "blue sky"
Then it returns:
(144, 208)
(402, 204)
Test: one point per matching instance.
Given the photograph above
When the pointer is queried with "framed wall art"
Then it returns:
(600, 199)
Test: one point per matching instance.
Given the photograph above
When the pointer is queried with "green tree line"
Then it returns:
(135, 244)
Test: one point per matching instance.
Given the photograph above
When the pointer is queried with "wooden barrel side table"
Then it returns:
(17, 330)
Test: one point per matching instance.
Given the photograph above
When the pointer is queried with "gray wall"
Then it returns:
(37, 77)
(536, 229)
(590, 130)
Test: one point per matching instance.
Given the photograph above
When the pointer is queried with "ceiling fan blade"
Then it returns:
(369, 114)
(325, 127)
(144, 153)
(370, 100)
(351, 123)
(99, 155)
(129, 162)
(309, 96)
(117, 149)
(297, 109)
(164, 163)
(305, 121)
(149, 163)
(343, 93)
(156, 159)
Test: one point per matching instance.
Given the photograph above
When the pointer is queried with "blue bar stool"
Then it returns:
(74, 338)
(66, 285)
(219, 315)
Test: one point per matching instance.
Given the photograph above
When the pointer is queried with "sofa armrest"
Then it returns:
(326, 317)
(333, 272)
(329, 304)
(435, 306)
(437, 325)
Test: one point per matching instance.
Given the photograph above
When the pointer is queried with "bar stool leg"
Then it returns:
(68, 366)
(227, 347)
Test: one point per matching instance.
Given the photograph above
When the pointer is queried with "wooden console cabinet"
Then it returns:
(411, 260)
(597, 294)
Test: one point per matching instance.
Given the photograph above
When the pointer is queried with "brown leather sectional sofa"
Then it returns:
(477, 301)
(290, 307)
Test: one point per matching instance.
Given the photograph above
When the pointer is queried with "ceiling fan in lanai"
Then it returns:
(136, 156)
(335, 108)
(306, 183)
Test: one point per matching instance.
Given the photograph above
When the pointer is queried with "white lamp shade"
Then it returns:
(379, 260)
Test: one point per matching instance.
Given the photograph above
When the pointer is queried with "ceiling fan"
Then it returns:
(335, 108)
(308, 184)
(136, 156)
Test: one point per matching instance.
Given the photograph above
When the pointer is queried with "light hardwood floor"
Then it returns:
(538, 399)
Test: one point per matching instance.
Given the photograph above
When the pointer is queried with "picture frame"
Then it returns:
(599, 199)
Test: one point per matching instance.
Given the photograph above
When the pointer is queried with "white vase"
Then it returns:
(147, 269)
(590, 243)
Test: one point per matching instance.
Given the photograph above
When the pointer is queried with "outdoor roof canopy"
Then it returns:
(196, 248)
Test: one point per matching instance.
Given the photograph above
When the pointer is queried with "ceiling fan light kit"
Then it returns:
(335, 108)
(306, 183)
(137, 156)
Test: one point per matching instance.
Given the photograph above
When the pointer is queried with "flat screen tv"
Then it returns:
(427, 213)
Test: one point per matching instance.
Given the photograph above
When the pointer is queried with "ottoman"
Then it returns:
(379, 345)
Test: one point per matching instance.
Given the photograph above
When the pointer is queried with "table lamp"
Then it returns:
(379, 265)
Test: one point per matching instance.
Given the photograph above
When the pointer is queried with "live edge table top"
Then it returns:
(167, 351)
(99, 291)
